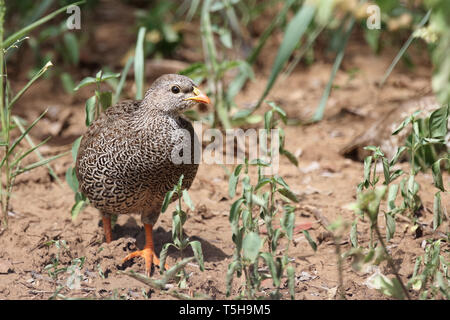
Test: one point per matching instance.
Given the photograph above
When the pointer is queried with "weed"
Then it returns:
(423, 144)
(254, 209)
(11, 160)
(431, 275)
(179, 240)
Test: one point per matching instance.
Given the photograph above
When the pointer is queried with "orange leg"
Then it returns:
(148, 253)
(107, 228)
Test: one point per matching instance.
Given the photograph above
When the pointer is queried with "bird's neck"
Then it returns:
(153, 118)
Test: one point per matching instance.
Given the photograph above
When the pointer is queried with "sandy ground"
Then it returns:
(325, 183)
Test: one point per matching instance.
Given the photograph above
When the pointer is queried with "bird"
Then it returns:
(127, 159)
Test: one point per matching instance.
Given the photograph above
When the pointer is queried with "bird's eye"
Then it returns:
(176, 89)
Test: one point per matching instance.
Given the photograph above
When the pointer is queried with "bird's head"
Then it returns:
(174, 93)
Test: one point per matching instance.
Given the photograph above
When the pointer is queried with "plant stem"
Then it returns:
(4, 122)
(249, 289)
(340, 288)
(391, 262)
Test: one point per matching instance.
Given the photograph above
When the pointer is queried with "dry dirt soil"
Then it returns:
(325, 182)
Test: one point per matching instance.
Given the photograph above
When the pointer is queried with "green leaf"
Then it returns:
(235, 210)
(109, 75)
(25, 88)
(105, 98)
(404, 48)
(310, 240)
(390, 226)
(294, 32)
(288, 194)
(75, 147)
(197, 249)
(187, 200)
(225, 37)
(122, 79)
(71, 179)
(24, 134)
(397, 155)
(251, 245)
(90, 110)
(35, 149)
(386, 168)
(262, 182)
(139, 64)
(167, 200)
(22, 32)
(290, 156)
(234, 178)
(437, 175)
(38, 164)
(77, 208)
(233, 267)
(392, 195)
(291, 281)
(276, 276)
(163, 256)
(367, 167)
(22, 156)
(437, 211)
(276, 108)
(406, 122)
(318, 114)
(438, 122)
(287, 222)
(86, 81)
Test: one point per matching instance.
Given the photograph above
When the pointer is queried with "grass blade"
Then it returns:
(25, 88)
(122, 79)
(403, 49)
(139, 64)
(33, 148)
(318, 115)
(36, 151)
(22, 32)
(294, 32)
(38, 164)
(303, 51)
(25, 132)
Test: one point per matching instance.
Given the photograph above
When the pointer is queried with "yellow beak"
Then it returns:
(199, 96)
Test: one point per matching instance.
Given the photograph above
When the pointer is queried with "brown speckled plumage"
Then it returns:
(124, 162)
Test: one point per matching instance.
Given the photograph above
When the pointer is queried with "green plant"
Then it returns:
(254, 209)
(426, 148)
(247, 214)
(431, 272)
(368, 204)
(54, 269)
(425, 145)
(179, 239)
(11, 162)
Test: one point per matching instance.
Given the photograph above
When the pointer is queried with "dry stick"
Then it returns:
(391, 263)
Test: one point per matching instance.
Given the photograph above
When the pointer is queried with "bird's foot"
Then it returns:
(149, 256)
